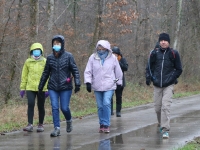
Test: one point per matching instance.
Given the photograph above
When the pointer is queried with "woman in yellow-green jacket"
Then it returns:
(30, 78)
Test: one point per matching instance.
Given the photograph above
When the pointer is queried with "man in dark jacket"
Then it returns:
(59, 68)
(163, 69)
(118, 92)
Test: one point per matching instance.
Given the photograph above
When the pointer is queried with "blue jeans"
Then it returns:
(64, 105)
(103, 100)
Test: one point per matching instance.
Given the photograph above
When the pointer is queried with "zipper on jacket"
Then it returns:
(162, 68)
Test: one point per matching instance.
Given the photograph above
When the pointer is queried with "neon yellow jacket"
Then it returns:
(32, 71)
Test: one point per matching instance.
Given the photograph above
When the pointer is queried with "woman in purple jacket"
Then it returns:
(103, 75)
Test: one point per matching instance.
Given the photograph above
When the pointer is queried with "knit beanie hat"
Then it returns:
(164, 36)
(116, 50)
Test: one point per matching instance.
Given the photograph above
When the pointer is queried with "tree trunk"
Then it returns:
(50, 25)
(34, 19)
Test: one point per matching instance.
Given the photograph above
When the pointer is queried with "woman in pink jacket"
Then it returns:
(103, 75)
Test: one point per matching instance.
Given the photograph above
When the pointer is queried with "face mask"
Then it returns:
(57, 48)
(36, 53)
(101, 51)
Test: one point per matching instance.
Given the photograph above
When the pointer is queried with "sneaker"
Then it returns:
(28, 128)
(106, 129)
(55, 133)
(40, 128)
(69, 126)
(101, 129)
(165, 135)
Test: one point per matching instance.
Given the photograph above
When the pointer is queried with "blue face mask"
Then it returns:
(101, 51)
(36, 53)
(57, 48)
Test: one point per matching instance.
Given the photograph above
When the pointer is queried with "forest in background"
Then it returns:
(132, 25)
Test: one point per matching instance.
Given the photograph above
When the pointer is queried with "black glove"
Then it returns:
(77, 88)
(88, 87)
(119, 87)
(148, 82)
(40, 91)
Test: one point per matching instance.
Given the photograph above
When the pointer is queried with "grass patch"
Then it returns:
(14, 115)
(193, 145)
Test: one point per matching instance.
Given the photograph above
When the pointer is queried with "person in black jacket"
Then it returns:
(118, 92)
(59, 69)
(163, 69)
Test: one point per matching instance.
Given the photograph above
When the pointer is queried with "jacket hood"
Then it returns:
(61, 39)
(105, 44)
(36, 46)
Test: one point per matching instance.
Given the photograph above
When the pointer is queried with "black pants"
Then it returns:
(31, 96)
(118, 94)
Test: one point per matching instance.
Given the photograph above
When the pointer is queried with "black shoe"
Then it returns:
(112, 113)
(118, 114)
(69, 126)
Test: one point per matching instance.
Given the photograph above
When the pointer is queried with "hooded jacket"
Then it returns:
(101, 76)
(58, 69)
(32, 71)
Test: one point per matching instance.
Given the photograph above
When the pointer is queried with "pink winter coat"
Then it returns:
(101, 76)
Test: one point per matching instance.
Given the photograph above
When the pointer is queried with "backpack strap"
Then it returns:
(172, 56)
(173, 53)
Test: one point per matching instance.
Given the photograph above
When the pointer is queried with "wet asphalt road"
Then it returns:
(135, 130)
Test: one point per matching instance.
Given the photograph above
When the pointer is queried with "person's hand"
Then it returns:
(119, 87)
(77, 88)
(40, 91)
(22, 93)
(148, 82)
(88, 87)
(46, 94)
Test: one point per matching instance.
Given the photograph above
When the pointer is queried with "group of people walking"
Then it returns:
(104, 74)
(53, 77)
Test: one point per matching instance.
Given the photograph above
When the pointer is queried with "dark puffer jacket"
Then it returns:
(123, 63)
(165, 67)
(57, 70)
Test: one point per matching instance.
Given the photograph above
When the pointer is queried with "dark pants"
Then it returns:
(118, 94)
(31, 95)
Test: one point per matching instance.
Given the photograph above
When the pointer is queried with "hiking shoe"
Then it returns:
(55, 133)
(118, 114)
(101, 129)
(40, 128)
(28, 128)
(69, 126)
(165, 135)
(106, 129)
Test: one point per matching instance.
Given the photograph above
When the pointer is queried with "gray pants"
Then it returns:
(163, 100)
